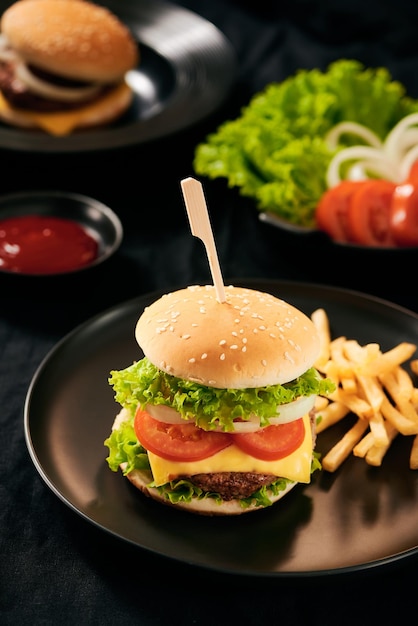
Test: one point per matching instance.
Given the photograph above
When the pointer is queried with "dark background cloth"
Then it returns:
(56, 568)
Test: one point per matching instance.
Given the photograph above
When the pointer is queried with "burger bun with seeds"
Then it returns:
(253, 339)
(76, 39)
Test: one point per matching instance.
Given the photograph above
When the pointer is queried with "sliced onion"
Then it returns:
(48, 90)
(394, 138)
(356, 153)
(293, 410)
(285, 413)
(407, 140)
(362, 169)
(351, 128)
(165, 414)
(407, 162)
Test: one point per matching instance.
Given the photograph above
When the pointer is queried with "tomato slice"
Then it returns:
(369, 213)
(178, 442)
(273, 442)
(332, 211)
(404, 215)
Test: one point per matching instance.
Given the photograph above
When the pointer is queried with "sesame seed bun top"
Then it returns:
(252, 339)
(72, 38)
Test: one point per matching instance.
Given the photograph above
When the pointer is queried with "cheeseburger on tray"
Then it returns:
(217, 417)
(63, 65)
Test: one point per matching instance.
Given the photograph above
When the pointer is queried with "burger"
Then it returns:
(63, 65)
(217, 417)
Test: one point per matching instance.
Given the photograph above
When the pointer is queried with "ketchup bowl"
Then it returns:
(55, 233)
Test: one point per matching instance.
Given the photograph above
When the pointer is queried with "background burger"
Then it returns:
(217, 416)
(63, 65)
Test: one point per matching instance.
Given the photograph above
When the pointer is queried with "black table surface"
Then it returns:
(56, 568)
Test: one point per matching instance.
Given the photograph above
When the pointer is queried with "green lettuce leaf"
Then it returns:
(275, 152)
(142, 383)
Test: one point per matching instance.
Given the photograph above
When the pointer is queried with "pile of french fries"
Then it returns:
(373, 385)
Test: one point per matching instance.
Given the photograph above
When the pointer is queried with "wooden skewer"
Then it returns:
(197, 212)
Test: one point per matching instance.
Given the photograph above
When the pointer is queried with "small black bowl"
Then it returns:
(98, 220)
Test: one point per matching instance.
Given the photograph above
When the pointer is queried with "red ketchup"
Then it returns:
(41, 244)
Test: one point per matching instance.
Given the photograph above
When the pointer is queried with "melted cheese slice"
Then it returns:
(64, 123)
(296, 466)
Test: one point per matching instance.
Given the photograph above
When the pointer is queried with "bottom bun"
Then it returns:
(206, 506)
(102, 112)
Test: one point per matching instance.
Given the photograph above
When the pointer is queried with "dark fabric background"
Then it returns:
(55, 568)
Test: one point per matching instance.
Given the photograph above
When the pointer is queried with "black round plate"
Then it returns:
(186, 69)
(357, 518)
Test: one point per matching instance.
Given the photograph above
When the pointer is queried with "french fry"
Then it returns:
(330, 415)
(413, 458)
(364, 445)
(378, 429)
(339, 453)
(414, 366)
(399, 421)
(349, 384)
(376, 453)
(357, 405)
(354, 351)
(321, 403)
(344, 366)
(397, 390)
(372, 390)
(414, 397)
(401, 396)
(386, 361)
(404, 381)
(321, 322)
(373, 385)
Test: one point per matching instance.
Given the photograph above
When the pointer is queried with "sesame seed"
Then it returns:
(262, 327)
(272, 335)
(244, 340)
(222, 342)
(234, 333)
(244, 349)
(204, 356)
(264, 362)
(233, 347)
(222, 357)
(202, 309)
(192, 360)
(185, 337)
(288, 357)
